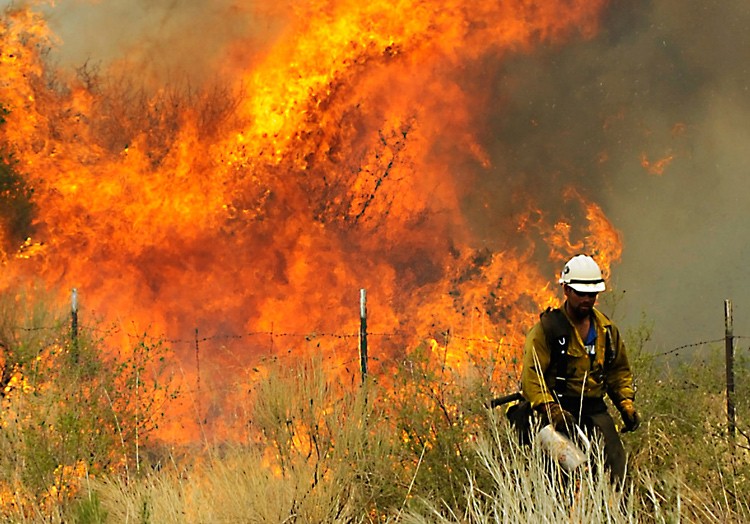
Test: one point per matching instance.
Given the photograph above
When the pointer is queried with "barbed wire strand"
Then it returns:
(341, 336)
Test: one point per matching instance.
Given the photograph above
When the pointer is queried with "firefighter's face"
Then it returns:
(580, 304)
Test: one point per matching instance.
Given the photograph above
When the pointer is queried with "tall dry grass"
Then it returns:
(332, 454)
(422, 447)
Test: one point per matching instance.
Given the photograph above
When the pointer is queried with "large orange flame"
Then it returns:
(336, 162)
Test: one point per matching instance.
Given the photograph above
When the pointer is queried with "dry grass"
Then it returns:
(357, 467)
(422, 449)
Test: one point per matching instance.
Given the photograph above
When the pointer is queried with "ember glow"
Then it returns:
(338, 160)
(656, 167)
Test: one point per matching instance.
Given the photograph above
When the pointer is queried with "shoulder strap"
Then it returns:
(557, 332)
(610, 352)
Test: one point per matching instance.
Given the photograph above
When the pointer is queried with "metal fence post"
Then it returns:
(363, 333)
(729, 349)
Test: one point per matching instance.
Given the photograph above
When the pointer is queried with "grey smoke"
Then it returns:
(662, 78)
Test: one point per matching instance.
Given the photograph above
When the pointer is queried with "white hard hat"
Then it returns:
(582, 273)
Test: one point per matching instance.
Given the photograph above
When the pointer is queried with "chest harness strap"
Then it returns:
(558, 331)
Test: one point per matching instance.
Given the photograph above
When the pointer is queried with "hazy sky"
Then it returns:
(164, 37)
(664, 79)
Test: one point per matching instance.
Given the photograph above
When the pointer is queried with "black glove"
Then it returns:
(563, 421)
(630, 416)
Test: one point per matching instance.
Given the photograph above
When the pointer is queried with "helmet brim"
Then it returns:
(596, 287)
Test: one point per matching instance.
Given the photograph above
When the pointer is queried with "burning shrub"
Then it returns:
(68, 413)
(322, 450)
(416, 449)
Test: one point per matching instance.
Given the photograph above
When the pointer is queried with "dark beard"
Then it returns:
(579, 313)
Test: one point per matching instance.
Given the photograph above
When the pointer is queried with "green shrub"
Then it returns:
(683, 447)
(88, 510)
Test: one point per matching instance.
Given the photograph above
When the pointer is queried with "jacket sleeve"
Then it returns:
(619, 378)
(536, 360)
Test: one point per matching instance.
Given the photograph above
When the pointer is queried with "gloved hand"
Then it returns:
(630, 416)
(563, 421)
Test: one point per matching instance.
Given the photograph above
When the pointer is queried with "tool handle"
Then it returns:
(499, 401)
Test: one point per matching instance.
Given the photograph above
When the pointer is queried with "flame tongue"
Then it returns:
(386, 61)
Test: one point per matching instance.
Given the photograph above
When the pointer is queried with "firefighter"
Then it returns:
(572, 357)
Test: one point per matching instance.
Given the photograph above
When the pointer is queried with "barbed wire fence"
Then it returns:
(257, 351)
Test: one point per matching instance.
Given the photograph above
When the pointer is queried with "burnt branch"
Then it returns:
(386, 160)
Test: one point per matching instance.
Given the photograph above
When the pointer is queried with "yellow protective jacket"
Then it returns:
(615, 379)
